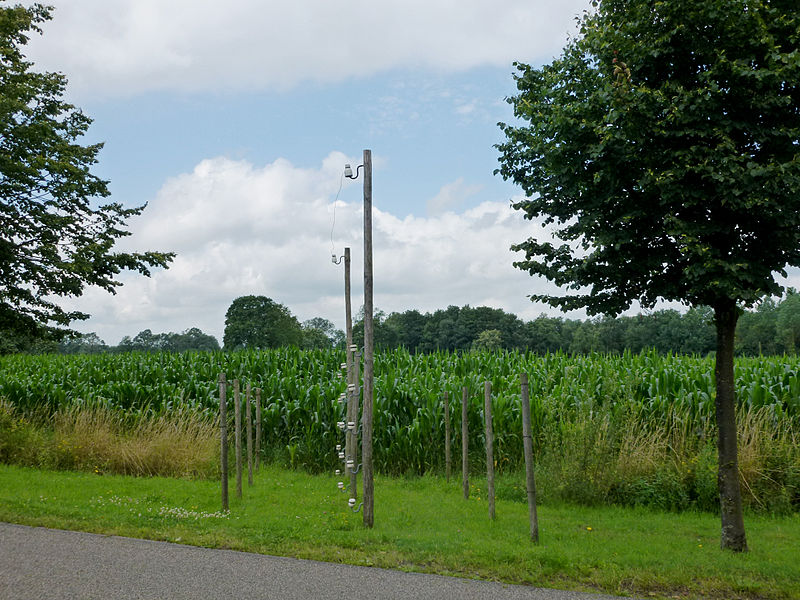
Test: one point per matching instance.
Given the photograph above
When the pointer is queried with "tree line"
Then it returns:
(773, 327)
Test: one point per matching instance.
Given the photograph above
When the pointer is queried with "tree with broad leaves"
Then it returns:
(662, 151)
(54, 239)
(260, 322)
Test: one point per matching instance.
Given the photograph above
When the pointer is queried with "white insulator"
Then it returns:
(343, 366)
(341, 455)
(340, 485)
(351, 387)
(351, 502)
(351, 425)
(337, 472)
(338, 447)
(341, 425)
(351, 464)
(353, 348)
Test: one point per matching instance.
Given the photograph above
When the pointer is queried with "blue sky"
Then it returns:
(428, 131)
(234, 123)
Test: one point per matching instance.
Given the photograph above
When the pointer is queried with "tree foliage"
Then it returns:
(260, 322)
(54, 240)
(678, 180)
(147, 341)
(662, 149)
(321, 333)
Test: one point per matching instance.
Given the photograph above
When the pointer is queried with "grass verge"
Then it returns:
(423, 524)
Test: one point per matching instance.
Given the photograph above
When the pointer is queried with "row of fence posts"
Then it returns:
(527, 442)
(351, 444)
(252, 448)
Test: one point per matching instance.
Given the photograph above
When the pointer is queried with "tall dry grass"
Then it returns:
(180, 443)
(670, 465)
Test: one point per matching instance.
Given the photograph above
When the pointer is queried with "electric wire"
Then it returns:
(335, 201)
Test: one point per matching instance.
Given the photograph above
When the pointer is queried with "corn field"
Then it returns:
(300, 390)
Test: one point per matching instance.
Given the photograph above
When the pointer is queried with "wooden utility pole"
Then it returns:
(351, 437)
(527, 445)
(237, 407)
(447, 435)
(366, 447)
(223, 438)
(487, 390)
(356, 408)
(249, 429)
(465, 441)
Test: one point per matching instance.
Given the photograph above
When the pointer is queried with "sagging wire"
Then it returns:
(335, 201)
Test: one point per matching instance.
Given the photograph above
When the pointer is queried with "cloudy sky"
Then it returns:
(233, 123)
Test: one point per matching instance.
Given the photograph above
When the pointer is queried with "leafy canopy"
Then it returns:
(662, 150)
(260, 322)
(54, 239)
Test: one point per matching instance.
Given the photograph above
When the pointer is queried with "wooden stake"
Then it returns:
(258, 428)
(366, 447)
(465, 441)
(223, 439)
(487, 390)
(447, 435)
(237, 407)
(527, 444)
(249, 429)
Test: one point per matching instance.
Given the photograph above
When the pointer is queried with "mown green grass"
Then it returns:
(423, 524)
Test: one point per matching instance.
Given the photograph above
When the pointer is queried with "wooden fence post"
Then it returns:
(447, 435)
(223, 437)
(237, 407)
(249, 429)
(465, 441)
(258, 428)
(527, 444)
(487, 390)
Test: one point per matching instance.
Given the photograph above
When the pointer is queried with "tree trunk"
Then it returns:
(730, 496)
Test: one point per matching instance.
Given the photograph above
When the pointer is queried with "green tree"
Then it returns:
(788, 322)
(409, 327)
(321, 333)
(191, 339)
(662, 148)
(488, 339)
(144, 341)
(54, 238)
(756, 331)
(87, 343)
(260, 322)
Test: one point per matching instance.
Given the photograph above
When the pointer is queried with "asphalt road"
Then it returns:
(38, 563)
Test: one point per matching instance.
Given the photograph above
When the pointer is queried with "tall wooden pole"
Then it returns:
(487, 388)
(447, 435)
(465, 441)
(356, 404)
(366, 446)
(351, 437)
(527, 445)
(223, 438)
(237, 407)
(249, 429)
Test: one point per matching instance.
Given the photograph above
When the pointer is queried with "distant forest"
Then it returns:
(772, 327)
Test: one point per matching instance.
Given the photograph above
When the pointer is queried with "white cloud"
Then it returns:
(122, 47)
(242, 229)
(450, 196)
